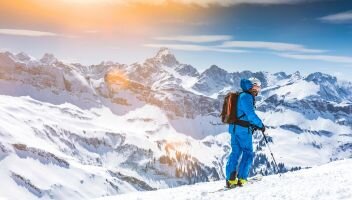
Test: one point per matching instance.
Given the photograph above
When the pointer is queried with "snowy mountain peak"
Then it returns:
(7, 59)
(48, 59)
(280, 75)
(7, 54)
(108, 62)
(187, 70)
(296, 75)
(23, 57)
(215, 70)
(165, 56)
(319, 77)
(163, 51)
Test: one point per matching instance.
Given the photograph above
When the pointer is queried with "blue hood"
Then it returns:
(246, 84)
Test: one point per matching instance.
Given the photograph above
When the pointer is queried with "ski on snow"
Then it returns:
(250, 181)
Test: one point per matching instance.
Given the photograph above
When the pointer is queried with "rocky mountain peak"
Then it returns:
(214, 70)
(187, 70)
(48, 59)
(319, 77)
(295, 76)
(7, 59)
(281, 75)
(163, 51)
(23, 57)
(166, 57)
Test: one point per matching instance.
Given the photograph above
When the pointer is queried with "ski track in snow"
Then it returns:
(329, 181)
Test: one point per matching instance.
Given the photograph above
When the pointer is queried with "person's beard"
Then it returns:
(254, 92)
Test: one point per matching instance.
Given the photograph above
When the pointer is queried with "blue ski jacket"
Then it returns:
(245, 109)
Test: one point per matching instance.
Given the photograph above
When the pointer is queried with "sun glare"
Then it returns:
(116, 79)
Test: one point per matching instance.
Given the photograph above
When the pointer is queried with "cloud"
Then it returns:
(191, 47)
(186, 42)
(337, 59)
(203, 3)
(183, 22)
(33, 33)
(275, 46)
(195, 38)
(29, 33)
(226, 3)
(342, 17)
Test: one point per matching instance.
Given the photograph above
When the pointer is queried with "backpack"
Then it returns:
(229, 110)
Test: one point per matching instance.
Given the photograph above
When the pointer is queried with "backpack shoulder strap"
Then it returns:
(239, 93)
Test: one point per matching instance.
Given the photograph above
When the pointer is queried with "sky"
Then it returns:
(236, 35)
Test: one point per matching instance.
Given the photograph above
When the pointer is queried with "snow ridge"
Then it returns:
(313, 183)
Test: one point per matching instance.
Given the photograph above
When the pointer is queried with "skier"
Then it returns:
(241, 137)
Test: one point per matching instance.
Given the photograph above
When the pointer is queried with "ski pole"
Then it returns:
(272, 155)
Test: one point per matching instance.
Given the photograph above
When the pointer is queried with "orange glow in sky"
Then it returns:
(93, 15)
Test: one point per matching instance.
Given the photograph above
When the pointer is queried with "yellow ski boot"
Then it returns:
(231, 183)
(241, 182)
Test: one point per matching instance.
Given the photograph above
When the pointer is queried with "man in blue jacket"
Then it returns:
(241, 137)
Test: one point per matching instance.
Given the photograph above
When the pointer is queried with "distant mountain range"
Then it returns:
(89, 131)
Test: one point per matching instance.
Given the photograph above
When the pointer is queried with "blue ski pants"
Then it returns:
(241, 143)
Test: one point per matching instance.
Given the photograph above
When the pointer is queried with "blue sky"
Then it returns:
(267, 35)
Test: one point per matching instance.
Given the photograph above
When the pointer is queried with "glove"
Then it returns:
(263, 128)
(255, 128)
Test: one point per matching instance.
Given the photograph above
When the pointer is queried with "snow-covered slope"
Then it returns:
(153, 124)
(329, 181)
(62, 151)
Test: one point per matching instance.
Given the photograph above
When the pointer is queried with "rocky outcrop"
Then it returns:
(44, 157)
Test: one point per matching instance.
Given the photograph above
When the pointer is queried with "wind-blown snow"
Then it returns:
(329, 181)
